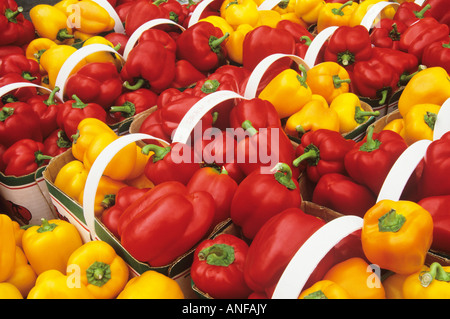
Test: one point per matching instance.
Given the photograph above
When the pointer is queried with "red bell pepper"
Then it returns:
(302, 36)
(56, 143)
(322, 152)
(152, 125)
(186, 74)
(20, 64)
(437, 54)
(175, 10)
(343, 195)
(118, 40)
(152, 61)
(143, 11)
(440, 10)
(114, 208)
(24, 157)
(218, 267)
(19, 121)
(131, 103)
(264, 148)
(21, 94)
(371, 159)
(374, 79)
(168, 227)
(221, 187)
(123, 10)
(261, 113)
(175, 162)
(6, 50)
(15, 29)
(438, 206)
(388, 33)
(421, 34)
(349, 45)
(253, 205)
(72, 112)
(190, 5)
(274, 246)
(239, 73)
(203, 45)
(47, 107)
(410, 12)
(97, 82)
(436, 168)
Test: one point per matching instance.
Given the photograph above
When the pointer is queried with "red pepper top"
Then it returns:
(14, 28)
(24, 157)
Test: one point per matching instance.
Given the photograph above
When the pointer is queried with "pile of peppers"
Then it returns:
(160, 208)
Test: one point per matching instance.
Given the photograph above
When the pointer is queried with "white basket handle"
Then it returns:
(96, 172)
(268, 4)
(419, 2)
(198, 110)
(118, 26)
(17, 85)
(442, 124)
(373, 13)
(316, 44)
(73, 60)
(261, 68)
(197, 13)
(148, 25)
(311, 253)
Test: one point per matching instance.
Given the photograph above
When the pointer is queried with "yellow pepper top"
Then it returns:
(51, 23)
(308, 10)
(335, 14)
(237, 12)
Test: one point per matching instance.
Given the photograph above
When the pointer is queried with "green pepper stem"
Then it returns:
(51, 97)
(421, 14)
(6, 112)
(12, 15)
(404, 78)
(40, 158)
(247, 125)
(436, 272)
(159, 151)
(158, 2)
(217, 255)
(384, 94)
(391, 222)
(394, 34)
(210, 86)
(63, 141)
(361, 116)
(311, 153)
(338, 11)
(98, 274)
(108, 201)
(430, 119)
(337, 81)
(306, 39)
(63, 34)
(27, 76)
(316, 295)
(78, 104)
(283, 175)
(127, 109)
(134, 87)
(215, 42)
(370, 144)
(346, 58)
(46, 226)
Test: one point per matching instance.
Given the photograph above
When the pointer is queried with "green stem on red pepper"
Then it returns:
(311, 153)
(108, 201)
(159, 151)
(361, 116)
(215, 43)
(370, 144)
(127, 109)
(210, 86)
(283, 175)
(346, 58)
(27, 76)
(394, 34)
(12, 15)
(6, 112)
(51, 97)
(40, 158)
(247, 125)
(436, 272)
(307, 40)
(63, 141)
(134, 87)
(218, 255)
(78, 104)
(404, 78)
(421, 14)
(338, 11)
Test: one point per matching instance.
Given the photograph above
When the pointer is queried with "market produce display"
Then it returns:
(197, 149)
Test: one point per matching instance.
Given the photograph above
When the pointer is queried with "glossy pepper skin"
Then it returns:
(218, 267)
(421, 34)
(437, 206)
(71, 179)
(104, 273)
(96, 82)
(16, 29)
(166, 239)
(141, 12)
(388, 33)
(275, 245)
(20, 64)
(410, 12)
(261, 113)
(430, 283)
(23, 277)
(51, 23)
(24, 157)
(308, 10)
(349, 45)
(336, 14)
(8, 247)
(250, 208)
(56, 143)
(437, 54)
(371, 159)
(47, 107)
(439, 10)
(239, 12)
(419, 122)
(322, 152)
(49, 245)
(324, 289)
(203, 45)
(342, 194)
(131, 103)
(403, 229)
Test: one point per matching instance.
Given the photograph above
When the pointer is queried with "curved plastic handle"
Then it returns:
(419, 2)
(17, 85)
(401, 171)
(196, 14)
(137, 34)
(374, 11)
(442, 124)
(118, 25)
(311, 253)
(268, 4)
(73, 61)
(198, 110)
(261, 68)
(96, 172)
(316, 45)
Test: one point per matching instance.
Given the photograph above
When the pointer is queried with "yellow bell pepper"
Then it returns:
(50, 245)
(237, 12)
(291, 16)
(396, 125)
(220, 23)
(36, 48)
(324, 289)
(102, 271)
(53, 59)
(419, 122)
(308, 10)
(361, 11)
(86, 16)
(23, 277)
(53, 284)
(431, 85)
(139, 165)
(71, 179)
(431, 283)
(18, 233)
(106, 191)
(235, 42)
(51, 23)
(282, 7)
(102, 56)
(7, 247)
(269, 18)
(9, 291)
(313, 116)
(393, 286)
(336, 14)
(288, 92)
(151, 285)
(396, 235)
(351, 115)
(141, 181)
(328, 79)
